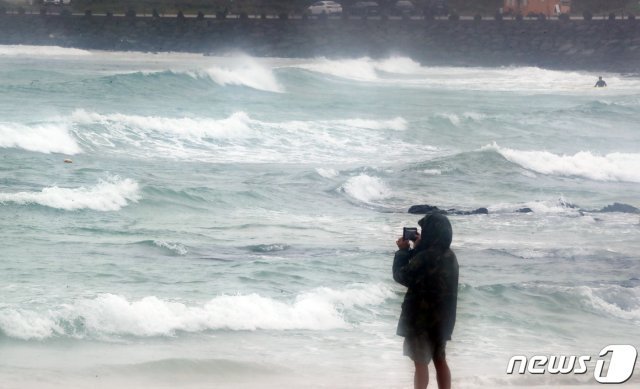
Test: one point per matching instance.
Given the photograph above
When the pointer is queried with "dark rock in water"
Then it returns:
(425, 208)
(479, 211)
(619, 207)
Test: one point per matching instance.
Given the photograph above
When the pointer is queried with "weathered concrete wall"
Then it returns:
(575, 44)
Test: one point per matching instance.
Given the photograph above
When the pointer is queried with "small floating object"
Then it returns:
(68, 161)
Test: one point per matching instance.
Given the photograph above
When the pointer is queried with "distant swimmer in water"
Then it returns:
(600, 83)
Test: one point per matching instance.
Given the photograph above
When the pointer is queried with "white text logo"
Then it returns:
(620, 367)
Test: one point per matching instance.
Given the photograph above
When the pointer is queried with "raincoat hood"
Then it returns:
(436, 231)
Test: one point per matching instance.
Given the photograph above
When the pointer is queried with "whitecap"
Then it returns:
(609, 167)
(236, 125)
(107, 195)
(43, 138)
(174, 247)
(109, 314)
(366, 188)
(242, 71)
(327, 173)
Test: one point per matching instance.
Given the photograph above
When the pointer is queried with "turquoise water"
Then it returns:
(230, 221)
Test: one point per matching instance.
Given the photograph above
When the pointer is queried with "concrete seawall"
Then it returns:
(607, 45)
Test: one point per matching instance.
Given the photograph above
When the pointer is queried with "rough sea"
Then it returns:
(230, 222)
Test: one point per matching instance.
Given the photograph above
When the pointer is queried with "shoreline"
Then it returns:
(596, 45)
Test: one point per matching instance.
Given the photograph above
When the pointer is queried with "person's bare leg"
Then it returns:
(421, 376)
(443, 374)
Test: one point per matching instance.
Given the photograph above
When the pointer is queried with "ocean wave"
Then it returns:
(230, 139)
(362, 69)
(268, 248)
(107, 195)
(42, 138)
(457, 119)
(109, 314)
(236, 125)
(241, 70)
(613, 300)
(366, 189)
(247, 72)
(405, 71)
(176, 248)
(40, 51)
(610, 167)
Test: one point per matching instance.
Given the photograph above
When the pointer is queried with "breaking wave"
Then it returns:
(236, 125)
(242, 71)
(249, 74)
(616, 301)
(362, 69)
(228, 139)
(109, 314)
(42, 138)
(610, 167)
(366, 189)
(107, 195)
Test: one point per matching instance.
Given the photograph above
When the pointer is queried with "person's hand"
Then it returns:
(417, 241)
(403, 244)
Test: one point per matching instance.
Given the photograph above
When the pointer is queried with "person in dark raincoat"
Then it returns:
(430, 272)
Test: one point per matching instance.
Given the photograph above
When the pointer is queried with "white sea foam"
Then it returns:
(109, 314)
(42, 138)
(399, 65)
(252, 77)
(405, 71)
(107, 195)
(242, 71)
(363, 69)
(40, 51)
(613, 301)
(538, 207)
(610, 167)
(230, 139)
(236, 125)
(366, 188)
(354, 69)
(327, 173)
(398, 124)
(175, 247)
(432, 172)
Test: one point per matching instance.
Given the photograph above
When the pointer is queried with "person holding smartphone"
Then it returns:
(430, 272)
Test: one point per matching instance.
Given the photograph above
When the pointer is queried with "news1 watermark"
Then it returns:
(621, 357)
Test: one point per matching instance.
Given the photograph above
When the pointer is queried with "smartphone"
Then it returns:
(409, 233)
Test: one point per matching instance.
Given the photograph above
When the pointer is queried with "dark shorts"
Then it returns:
(422, 349)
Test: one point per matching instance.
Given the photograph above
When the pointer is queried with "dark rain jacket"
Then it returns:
(430, 272)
